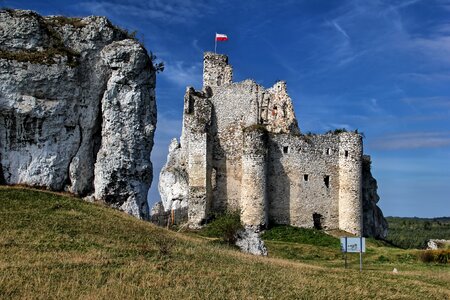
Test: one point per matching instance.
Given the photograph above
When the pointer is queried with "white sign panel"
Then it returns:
(353, 244)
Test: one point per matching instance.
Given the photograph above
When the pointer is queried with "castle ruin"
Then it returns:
(241, 149)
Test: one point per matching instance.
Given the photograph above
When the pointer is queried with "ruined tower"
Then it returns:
(350, 172)
(197, 116)
(242, 150)
(253, 183)
(216, 70)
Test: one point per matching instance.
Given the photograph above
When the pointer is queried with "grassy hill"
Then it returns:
(57, 247)
(415, 232)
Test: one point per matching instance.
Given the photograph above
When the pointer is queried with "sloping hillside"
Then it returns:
(57, 247)
(424, 229)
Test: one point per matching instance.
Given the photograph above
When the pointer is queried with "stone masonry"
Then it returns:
(241, 150)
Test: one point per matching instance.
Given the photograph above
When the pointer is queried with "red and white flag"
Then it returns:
(221, 37)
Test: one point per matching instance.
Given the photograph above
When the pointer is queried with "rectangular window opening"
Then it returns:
(346, 153)
(328, 151)
(305, 177)
(326, 180)
(285, 149)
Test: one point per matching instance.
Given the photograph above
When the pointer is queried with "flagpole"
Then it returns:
(215, 43)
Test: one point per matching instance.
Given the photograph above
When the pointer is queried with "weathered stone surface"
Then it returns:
(242, 149)
(173, 180)
(437, 244)
(161, 217)
(253, 200)
(249, 241)
(374, 222)
(123, 170)
(76, 103)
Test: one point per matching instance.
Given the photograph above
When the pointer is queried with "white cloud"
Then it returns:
(438, 102)
(168, 126)
(412, 140)
(183, 74)
(175, 11)
(431, 77)
(340, 30)
(435, 48)
(372, 105)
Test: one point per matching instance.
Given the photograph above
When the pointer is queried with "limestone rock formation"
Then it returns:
(249, 241)
(173, 179)
(374, 222)
(77, 108)
(437, 244)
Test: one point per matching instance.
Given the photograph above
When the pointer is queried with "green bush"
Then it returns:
(224, 226)
(442, 256)
(382, 259)
(436, 256)
(426, 256)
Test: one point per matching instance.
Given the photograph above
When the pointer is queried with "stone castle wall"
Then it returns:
(298, 166)
(350, 188)
(253, 202)
(250, 156)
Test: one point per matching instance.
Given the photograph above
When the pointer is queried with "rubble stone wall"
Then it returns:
(257, 161)
(298, 168)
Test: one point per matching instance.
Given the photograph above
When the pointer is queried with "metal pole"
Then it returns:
(360, 253)
(345, 249)
(215, 43)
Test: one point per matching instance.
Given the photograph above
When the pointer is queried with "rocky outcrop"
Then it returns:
(77, 108)
(173, 179)
(248, 240)
(438, 244)
(374, 223)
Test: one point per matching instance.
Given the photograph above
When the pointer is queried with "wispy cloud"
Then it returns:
(333, 126)
(183, 74)
(372, 105)
(445, 4)
(412, 140)
(340, 30)
(175, 11)
(403, 4)
(435, 102)
(435, 48)
(169, 127)
(197, 47)
(430, 77)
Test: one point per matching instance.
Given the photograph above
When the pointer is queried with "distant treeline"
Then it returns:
(415, 232)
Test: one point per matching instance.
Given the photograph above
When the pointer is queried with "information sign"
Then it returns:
(353, 244)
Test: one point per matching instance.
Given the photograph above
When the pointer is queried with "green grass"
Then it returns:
(375, 258)
(55, 47)
(401, 229)
(63, 20)
(58, 247)
(223, 227)
(301, 236)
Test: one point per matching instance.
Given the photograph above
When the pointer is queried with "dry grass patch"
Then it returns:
(58, 247)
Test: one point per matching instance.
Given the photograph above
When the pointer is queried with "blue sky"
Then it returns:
(382, 67)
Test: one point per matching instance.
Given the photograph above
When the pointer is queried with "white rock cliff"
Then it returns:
(77, 108)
